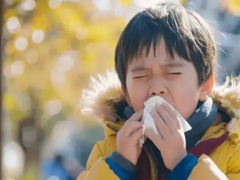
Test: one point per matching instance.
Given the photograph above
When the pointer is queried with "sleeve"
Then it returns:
(97, 168)
(207, 169)
(192, 168)
(120, 171)
(123, 168)
(184, 168)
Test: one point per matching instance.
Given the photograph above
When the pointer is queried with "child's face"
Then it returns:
(175, 80)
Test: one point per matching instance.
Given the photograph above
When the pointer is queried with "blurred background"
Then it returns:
(50, 48)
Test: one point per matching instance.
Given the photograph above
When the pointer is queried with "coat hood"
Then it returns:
(105, 100)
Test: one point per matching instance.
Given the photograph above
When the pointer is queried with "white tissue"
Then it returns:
(148, 122)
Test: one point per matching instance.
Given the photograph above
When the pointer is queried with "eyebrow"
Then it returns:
(138, 68)
(173, 65)
(167, 65)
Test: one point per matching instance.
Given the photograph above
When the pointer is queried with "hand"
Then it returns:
(128, 138)
(172, 144)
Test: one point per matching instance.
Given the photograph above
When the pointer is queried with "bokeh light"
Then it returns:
(54, 4)
(13, 25)
(21, 43)
(38, 36)
(28, 5)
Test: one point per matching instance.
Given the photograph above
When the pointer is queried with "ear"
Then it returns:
(206, 89)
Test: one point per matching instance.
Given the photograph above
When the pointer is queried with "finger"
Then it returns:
(136, 116)
(130, 127)
(136, 136)
(158, 141)
(166, 118)
(162, 127)
(168, 109)
(172, 114)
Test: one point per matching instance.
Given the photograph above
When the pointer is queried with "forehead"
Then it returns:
(158, 55)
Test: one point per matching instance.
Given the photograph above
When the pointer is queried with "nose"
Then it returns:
(158, 87)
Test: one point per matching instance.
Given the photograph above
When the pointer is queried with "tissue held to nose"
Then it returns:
(148, 121)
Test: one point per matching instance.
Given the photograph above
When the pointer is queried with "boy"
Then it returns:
(165, 51)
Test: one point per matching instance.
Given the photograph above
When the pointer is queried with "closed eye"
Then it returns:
(175, 73)
(138, 77)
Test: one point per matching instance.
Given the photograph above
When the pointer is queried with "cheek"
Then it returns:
(186, 100)
(188, 106)
(136, 95)
(188, 95)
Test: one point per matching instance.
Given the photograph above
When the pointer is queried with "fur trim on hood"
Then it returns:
(105, 97)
